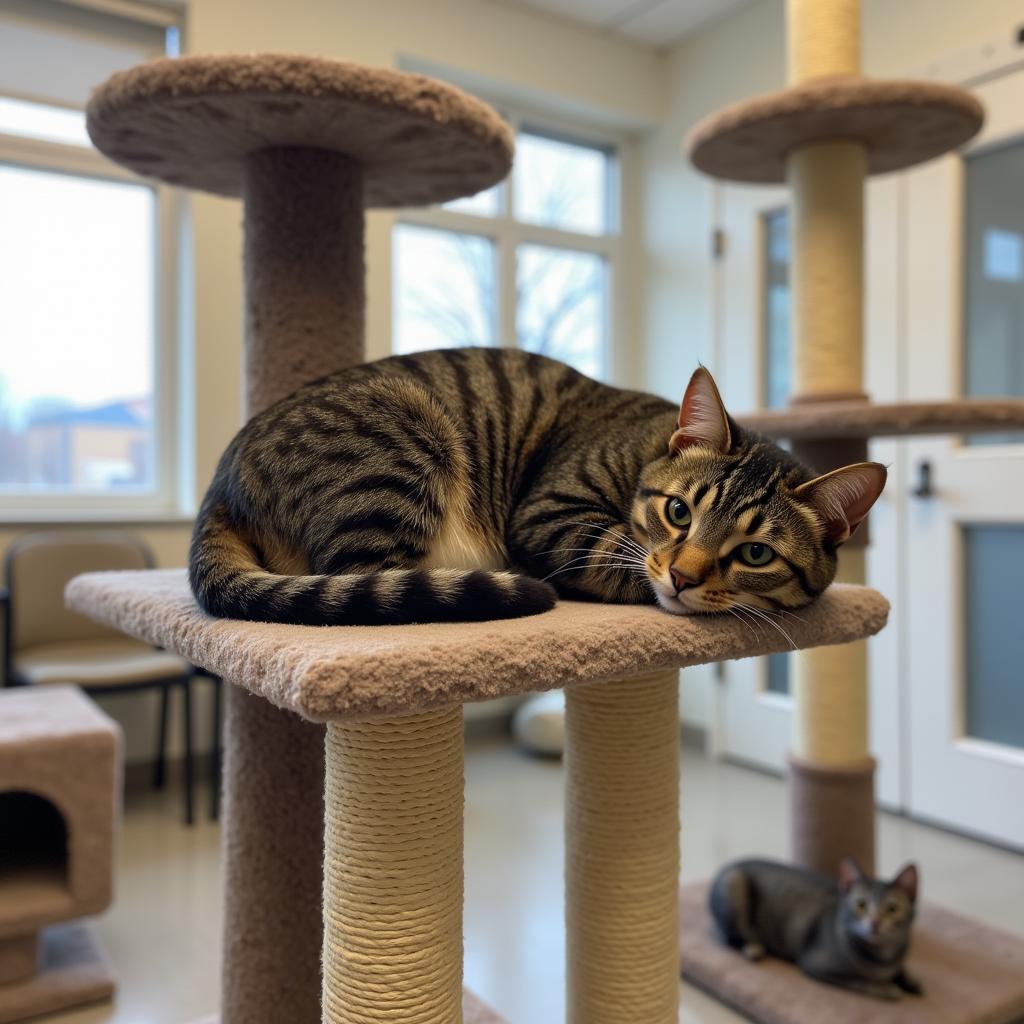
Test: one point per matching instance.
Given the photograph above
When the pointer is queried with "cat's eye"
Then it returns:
(892, 908)
(678, 513)
(861, 906)
(756, 554)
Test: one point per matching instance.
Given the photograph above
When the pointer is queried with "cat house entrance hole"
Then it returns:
(33, 854)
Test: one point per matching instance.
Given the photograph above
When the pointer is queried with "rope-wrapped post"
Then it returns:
(393, 878)
(831, 772)
(622, 851)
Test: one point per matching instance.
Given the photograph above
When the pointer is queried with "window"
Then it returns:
(777, 331)
(85, 280)
(776, 363)
(528, 263)
(993, 347)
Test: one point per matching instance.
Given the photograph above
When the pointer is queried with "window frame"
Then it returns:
(162, 502)
(507, 234)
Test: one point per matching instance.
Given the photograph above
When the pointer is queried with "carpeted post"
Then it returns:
(393, 881)
(622, 851)
(304, 300)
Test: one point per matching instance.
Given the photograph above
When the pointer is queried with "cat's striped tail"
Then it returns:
(229, 582)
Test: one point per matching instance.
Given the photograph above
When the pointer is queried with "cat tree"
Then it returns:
(357, 855)
(823, 135)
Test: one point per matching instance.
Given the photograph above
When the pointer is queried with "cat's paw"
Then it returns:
(909, 984)
(534, 596)
(753, 951)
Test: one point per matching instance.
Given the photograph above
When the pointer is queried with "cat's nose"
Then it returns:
(681, 580)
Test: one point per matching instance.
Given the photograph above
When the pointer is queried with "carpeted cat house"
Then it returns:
(60, 791)
(344, 746)
(823, 135)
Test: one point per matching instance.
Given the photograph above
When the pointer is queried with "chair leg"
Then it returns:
(160, 766)
(216, 756)
(186, 692)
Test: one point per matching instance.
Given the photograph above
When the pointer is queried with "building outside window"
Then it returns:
(87, 293)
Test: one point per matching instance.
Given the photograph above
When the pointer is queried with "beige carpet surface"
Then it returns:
(335, 672)
(972, 974)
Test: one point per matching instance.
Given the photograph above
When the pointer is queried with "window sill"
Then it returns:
(14, 518)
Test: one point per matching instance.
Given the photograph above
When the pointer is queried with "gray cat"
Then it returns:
(854, 933)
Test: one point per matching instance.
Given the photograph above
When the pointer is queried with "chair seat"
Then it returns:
(92, 663)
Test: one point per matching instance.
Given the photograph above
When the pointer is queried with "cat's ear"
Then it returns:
(849, 874)
(907, 881)
(843, 497)
(702, 416)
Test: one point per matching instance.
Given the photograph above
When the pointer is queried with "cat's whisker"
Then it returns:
(742, 609)
(600, 565)
(594, 559)
(617, 532)
(764, 617)
(736, 615)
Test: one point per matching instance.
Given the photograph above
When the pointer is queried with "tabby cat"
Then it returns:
(854, 932)
(478, 483)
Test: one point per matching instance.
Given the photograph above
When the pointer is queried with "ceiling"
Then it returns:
(655, 23)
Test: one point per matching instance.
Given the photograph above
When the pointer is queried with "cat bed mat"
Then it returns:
(474, 1011)
(972, 974)
(349, 672)
(899, 123)
(72, 971)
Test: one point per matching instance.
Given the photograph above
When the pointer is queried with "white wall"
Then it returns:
(511, 53)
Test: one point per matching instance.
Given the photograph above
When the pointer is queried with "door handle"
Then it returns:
(924, 488)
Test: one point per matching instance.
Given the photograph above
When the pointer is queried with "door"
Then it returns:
(965, 533)
(752, 367)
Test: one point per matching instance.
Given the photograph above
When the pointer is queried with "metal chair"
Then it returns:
(44, 643)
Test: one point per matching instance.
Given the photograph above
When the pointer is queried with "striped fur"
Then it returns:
(451, 485)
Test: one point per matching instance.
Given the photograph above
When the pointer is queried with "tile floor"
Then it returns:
(163, 932)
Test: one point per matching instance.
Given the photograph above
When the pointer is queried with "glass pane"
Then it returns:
(561, 305)
(994, 651)
(483, 204)
(778, 673)
(562, 185)
(994, 278)
(776, 312)
(38, 121)
(444, 289)
(77, 280)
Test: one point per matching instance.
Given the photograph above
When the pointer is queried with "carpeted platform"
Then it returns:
(972, 974)
(339, 672)
(72, 971)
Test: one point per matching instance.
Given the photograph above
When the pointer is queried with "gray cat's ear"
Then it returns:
(843, 497)
(907, 881)
(702, 416)
(849, 874)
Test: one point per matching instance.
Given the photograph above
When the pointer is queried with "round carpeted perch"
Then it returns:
(307, 144)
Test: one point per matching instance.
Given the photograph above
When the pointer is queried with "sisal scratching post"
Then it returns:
(830, 810)
(291, 136)
(622, 851)
(393, 871)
